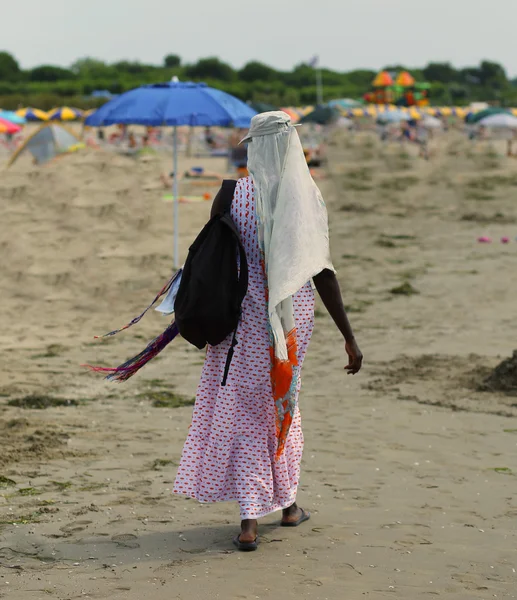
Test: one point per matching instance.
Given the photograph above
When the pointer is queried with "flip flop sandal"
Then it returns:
(305, 516)
(245, 546)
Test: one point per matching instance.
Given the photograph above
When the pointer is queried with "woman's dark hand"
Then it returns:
(355, 357)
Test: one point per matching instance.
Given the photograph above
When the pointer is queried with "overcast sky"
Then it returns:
(346, 34)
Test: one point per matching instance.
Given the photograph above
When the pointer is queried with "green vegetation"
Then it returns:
(503, 470)
(5, 482)
(166, 399)
(61, 485)
(41, 401)
(22, 520)
(46, 86)
(51, 351)
(160, 463)
(405, 289)
(398, 184)
(29, 491)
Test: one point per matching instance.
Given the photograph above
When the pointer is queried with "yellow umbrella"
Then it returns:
(65, 114)
(513, 111)
(32, 114)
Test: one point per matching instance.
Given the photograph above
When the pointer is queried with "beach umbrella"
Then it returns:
(32, 114)
(499, 121)
(460, 111)
(487, 112)
(322, 115)
(8, 127)
(345, 103)
(9, 115)
(174, 104)
(357, 112)
(261, 107)
(65, 113)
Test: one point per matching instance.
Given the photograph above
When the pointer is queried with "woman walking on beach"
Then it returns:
(245, 442)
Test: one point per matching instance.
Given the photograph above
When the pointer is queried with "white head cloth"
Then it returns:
(291, 215)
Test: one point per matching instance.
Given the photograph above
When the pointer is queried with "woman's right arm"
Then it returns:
(328, 288)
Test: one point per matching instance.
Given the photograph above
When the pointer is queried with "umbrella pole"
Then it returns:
(176, 200)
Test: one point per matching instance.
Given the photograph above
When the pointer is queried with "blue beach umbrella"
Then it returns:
(11, 116)
(173, 104)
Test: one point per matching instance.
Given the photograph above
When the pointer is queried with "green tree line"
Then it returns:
(46, 86)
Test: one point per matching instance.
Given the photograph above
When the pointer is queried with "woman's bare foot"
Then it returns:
(249, 531)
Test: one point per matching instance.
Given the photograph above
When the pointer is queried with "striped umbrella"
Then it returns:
(65, 113)
(358, 112)
(9, 115)
(32, 114)
(371, 110)
(460, 111)
(414, 113)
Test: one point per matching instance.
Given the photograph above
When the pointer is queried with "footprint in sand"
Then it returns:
(125, 540)
(75, 527)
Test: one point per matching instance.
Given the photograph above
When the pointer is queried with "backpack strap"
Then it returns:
(227, 192)
(241, 291)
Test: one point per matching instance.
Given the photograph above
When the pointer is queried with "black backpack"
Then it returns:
(208, 305)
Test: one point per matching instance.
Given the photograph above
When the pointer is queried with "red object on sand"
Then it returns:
(8, 127)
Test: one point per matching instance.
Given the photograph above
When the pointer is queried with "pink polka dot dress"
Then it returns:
(229, 454)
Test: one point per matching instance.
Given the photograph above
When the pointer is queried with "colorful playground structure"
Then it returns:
(401, 90)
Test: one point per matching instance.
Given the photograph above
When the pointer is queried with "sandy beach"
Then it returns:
(409, 467)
